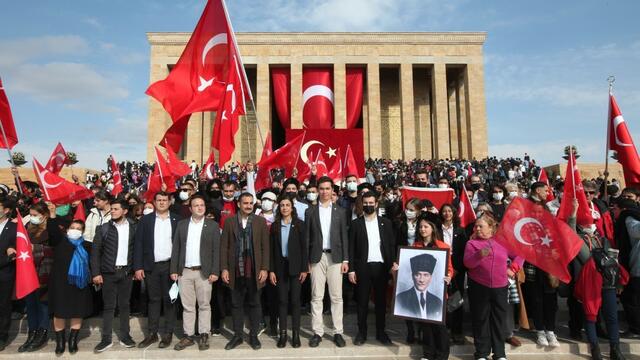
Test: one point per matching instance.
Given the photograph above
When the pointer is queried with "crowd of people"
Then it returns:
(218, 247)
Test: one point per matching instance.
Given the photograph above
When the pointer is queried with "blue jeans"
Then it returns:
(37, 312)
(609, 311)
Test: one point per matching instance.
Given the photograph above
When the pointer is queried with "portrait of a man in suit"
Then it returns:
(417, 302)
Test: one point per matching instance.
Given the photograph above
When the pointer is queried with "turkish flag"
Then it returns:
(208, 169)
(117, 178)
(176, 167)
(284, 157)
(268, 147)
(80, 213)
(164, 173)
(351, 166)
(354, 93)
(58, 190)
(542, 177)
(26, 275)
(530, 231)
(329, 142)
(438, 197)
(321, 165)
(57, 160)
(335, 172)
(317, 98)
(573, 190)
(621, 142)
(465, 210)
(6, 120)
(227, 118)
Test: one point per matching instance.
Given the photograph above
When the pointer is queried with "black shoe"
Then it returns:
(184, 343)
(315, 340)
(102, 346)
(337, 338)
(384, 339)
(595, 352)
(360, 339)
(216, 332)
(24, 347)
(234, 342)
(60, 341)
(203, 342)
(254, 343)
(273, 329)
(73, 341)
(127, 342)
(3, 344)
(40, 340)
(295, 338)
(146, 342)
(282, 340)
(616, 354)
(458, 339)
(166, 341)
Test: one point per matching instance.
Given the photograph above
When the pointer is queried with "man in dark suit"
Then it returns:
(195, 264)
(151, 260)
(328, 258)
(417, 301)
(7, 268)
(371, 255)
(111, 260)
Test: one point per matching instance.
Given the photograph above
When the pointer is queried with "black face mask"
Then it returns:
(475, 187)
(215, 194)
(369, 209)
(302, 194)
(292, 193)
(422, 184)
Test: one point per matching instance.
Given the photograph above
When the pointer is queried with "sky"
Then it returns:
(75, 71)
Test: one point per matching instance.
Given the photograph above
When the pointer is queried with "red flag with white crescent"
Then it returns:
(268, 147)
(57, 160)
(335, 172)
(621, 142)
(57, 189)
(208, 169)
(573, 189)
(176, 166)
(26, 275)
(465, 211)
(317, 98)
(438, 197)
(542, 177)
(117, 179)
(284, 157)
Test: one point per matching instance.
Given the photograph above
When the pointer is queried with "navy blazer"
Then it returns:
(143, 257)
(359, 244)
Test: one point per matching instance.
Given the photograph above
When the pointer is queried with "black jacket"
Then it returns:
(458, 244)
(407, 304)
(7, 240)
(209, 247)
(359, 244)
(143, 257)
(104, 249)
(338, 234)
(297, 249)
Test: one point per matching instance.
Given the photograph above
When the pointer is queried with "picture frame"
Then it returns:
(408, 290)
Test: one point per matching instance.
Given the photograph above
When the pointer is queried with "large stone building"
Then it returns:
(423, 92)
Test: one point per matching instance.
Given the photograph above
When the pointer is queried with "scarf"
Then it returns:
(78, 274)
(244, 247)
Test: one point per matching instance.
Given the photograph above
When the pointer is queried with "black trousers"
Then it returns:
(374, 276)
(455, 319)
(6, 292)
(268, 296)
(116, 288)
(543, 304)
(488, 318)
(288, 286)
(245, 292)
(631, 304)
(435, 341)
(576, 313)
(219, 300)
(158, 284)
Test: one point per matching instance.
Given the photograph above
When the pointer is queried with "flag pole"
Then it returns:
(572, 160)
(244, 72)
(158, 165)
(13, 164)
(611, 79)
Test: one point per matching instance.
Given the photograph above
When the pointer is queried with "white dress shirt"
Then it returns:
(447, 234)
(325, 224)
(423, 309)
(373, 236)
(3, 224)
(123, 242)
(162, 239)
(192, 250)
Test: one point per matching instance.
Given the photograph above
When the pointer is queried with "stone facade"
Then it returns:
(423, 92)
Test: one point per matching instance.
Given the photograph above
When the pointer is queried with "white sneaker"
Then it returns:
(542, 339)
(552, 339)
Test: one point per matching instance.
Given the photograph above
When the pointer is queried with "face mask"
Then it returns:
(292, 193)
(226, 199)
(498, 196)
(110, 187)
(267, 205)
(312, 197)
(352, 186)
(443, 186)
(215, 194)
(475, 187)
(147, 211)
(74, 234)
(35, 220)
(63, 210)
(391, 196)
(421, 184)
(411, 232)
(369, 209)
(173, 292)
(513, 194)
(184, 196)
(410, 214)
(302, 194)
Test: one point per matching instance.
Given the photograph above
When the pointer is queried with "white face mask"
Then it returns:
(74, 234)
(35, 220)
(184, 196)
(352, 186)
(410, 214)
(498, 196)
(391, 196)
(443, 186)
(147, 211)
(110, 187)
(312, 196)
(173, 292)
(227, 199)
(513, 194)
(267, 205)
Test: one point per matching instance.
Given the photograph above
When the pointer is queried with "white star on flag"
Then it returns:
(331, 152)
(546, 240)
(24, 255)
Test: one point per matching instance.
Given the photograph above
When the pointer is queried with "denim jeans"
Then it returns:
(609, 311)
(37, 312)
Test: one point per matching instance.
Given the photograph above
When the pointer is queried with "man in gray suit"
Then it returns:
(328, 254)
(195, 264)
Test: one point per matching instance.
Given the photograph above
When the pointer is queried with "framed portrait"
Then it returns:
(419, 292)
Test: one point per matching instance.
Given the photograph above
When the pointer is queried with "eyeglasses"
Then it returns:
(590, 192)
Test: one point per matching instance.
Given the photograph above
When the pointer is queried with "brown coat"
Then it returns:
(260, 238)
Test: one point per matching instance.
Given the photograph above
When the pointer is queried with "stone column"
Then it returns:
(462, 116)
(408, 117)
(453, 119)
(340, 96)
(296, 96)
(373, 100)
(422, 94)
(476, 111)
(208, 132)
(194, 136)
(441, 121)
(263, 104)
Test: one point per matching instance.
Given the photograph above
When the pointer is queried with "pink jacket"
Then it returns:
(491, 270)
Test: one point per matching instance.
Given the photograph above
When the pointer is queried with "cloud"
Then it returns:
(20, 50)
(92, 21)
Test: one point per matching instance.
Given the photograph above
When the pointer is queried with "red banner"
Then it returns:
(355, 76)
(281, 82)
(438, 197)
(329, 142)
(317, 98)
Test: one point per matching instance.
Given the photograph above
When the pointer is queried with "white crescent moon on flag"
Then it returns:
(22, 236)
(209, 172)
(616, 122)
(59, 159)
(462, 208)
(317, 90)
(43, 176)
(218, 39)
(233, 97)
(305, 148)
(517, 229)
